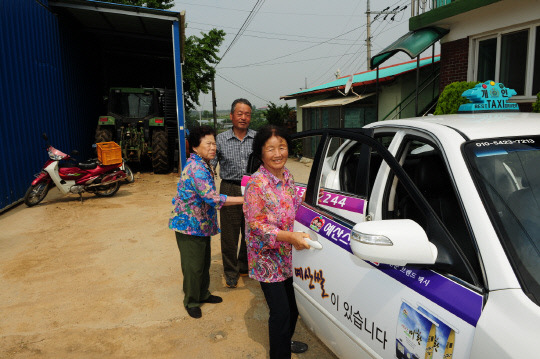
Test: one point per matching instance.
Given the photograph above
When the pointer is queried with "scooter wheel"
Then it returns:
(107, 190)
(36, 194)
(130, 177)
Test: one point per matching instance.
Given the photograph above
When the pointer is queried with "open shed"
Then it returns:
(58, 60)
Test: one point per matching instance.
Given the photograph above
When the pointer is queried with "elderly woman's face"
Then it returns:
(207, 148)
(274, 155)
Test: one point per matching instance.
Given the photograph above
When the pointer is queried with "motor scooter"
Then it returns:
(72, 177)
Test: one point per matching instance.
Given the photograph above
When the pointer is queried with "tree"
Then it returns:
(198, 70)
(536, 105)
(277, 115)
(450, 99)
(154, 4)
(192, 120)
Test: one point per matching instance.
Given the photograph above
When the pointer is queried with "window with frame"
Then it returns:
(505, 57)
(342, 161)
(425, 165)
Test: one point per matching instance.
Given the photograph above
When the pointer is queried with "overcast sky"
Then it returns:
(290, 44)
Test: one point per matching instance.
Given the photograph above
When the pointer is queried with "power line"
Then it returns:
(246, 23)
(335, 63)
(269, 12)
(282, 39)
(356, 59)
(240, 87)
(296, 52)
(344, 27)
(263, 32)
(289, 62)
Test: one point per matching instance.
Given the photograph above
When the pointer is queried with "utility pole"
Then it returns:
(214, 102)
(368, 38)
(368, 28)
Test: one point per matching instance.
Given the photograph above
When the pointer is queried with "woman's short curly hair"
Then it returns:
(264, 135)
(197, 133)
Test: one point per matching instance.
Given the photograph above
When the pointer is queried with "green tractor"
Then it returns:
(135, 121)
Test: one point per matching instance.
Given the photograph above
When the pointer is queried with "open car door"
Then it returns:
(367, 288)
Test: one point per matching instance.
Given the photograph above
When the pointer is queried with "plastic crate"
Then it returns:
(109, 153)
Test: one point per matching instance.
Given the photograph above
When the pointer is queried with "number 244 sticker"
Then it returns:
(326, 198)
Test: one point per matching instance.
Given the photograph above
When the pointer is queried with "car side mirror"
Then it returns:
(394, 241)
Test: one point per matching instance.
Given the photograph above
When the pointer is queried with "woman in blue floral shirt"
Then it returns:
(194, 218)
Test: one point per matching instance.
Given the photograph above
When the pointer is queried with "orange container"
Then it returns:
(109, 153)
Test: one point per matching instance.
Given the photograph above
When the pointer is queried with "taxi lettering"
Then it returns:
(359, 321)
(316, 277)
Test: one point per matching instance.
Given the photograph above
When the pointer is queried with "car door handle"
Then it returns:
(312, 241)
(313, 244)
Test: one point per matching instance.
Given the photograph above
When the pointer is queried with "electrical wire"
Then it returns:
(240, 87)
(243, 28)
(268, 12)
(361, 63)
(290, 62)
(264, 32)
(296, 52)
(282, 39)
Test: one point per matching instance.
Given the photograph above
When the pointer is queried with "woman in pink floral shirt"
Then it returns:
(270, 204)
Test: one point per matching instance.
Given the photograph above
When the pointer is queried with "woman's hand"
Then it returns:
(294, 238)
(231, 201)
(299, 242)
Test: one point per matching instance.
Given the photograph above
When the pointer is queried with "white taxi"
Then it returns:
(428, 234)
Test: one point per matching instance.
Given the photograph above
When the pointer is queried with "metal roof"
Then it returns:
(364, 78)
(412, 43)
(340, 101)
(123, 28)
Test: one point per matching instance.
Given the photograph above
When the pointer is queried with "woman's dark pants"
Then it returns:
(195, 261)
(283, 315)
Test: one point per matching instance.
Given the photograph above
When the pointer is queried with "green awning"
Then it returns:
(413, 43)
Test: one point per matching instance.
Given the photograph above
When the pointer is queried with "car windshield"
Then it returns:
(507, 171)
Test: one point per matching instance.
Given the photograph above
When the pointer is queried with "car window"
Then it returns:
(342, 161)
(339, 184)
(425, 165)
(339, 165)
(300, 162)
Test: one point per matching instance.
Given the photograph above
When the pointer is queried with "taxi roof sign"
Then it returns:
(489, 96)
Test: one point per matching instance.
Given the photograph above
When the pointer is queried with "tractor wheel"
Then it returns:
(103, 135)
(160, 160)
(36, 193)
(107, 190)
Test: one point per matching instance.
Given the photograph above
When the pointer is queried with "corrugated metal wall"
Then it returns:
(42, 87)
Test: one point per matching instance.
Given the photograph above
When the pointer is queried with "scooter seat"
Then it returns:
(88, 165)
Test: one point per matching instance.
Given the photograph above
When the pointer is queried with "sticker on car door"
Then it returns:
(420, 335)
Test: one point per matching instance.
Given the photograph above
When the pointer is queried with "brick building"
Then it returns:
(487, 40)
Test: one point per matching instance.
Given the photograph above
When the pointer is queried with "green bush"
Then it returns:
(536, 105)
(450, 99)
